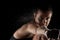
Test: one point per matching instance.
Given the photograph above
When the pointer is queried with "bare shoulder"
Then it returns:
(22, 28)
(21, 32)
(31, 25)
(25, 26)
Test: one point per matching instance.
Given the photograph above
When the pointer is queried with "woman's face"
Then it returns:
(43, 19)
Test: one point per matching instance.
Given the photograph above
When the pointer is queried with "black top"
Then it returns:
(26, 39)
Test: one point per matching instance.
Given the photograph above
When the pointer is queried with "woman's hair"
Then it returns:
(43, 8)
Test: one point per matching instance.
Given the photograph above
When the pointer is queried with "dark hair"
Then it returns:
(43, 8)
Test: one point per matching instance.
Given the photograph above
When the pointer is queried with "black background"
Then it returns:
(19, 16)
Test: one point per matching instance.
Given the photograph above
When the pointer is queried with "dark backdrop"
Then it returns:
(19, 16)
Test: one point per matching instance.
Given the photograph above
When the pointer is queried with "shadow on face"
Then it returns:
(42, 18)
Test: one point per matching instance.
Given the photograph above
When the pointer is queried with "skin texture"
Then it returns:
(35, 29)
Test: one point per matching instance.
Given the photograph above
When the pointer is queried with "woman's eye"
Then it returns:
(40, 18)
(47, 18)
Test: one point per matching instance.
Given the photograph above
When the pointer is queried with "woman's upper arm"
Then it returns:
(21, 32)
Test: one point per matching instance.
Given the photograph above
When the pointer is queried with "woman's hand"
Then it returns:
(35, 37)
(39, 37)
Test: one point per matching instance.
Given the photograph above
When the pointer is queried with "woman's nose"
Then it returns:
(44, 22)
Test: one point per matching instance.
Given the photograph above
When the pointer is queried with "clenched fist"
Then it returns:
(36, 37)
(39, 37)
